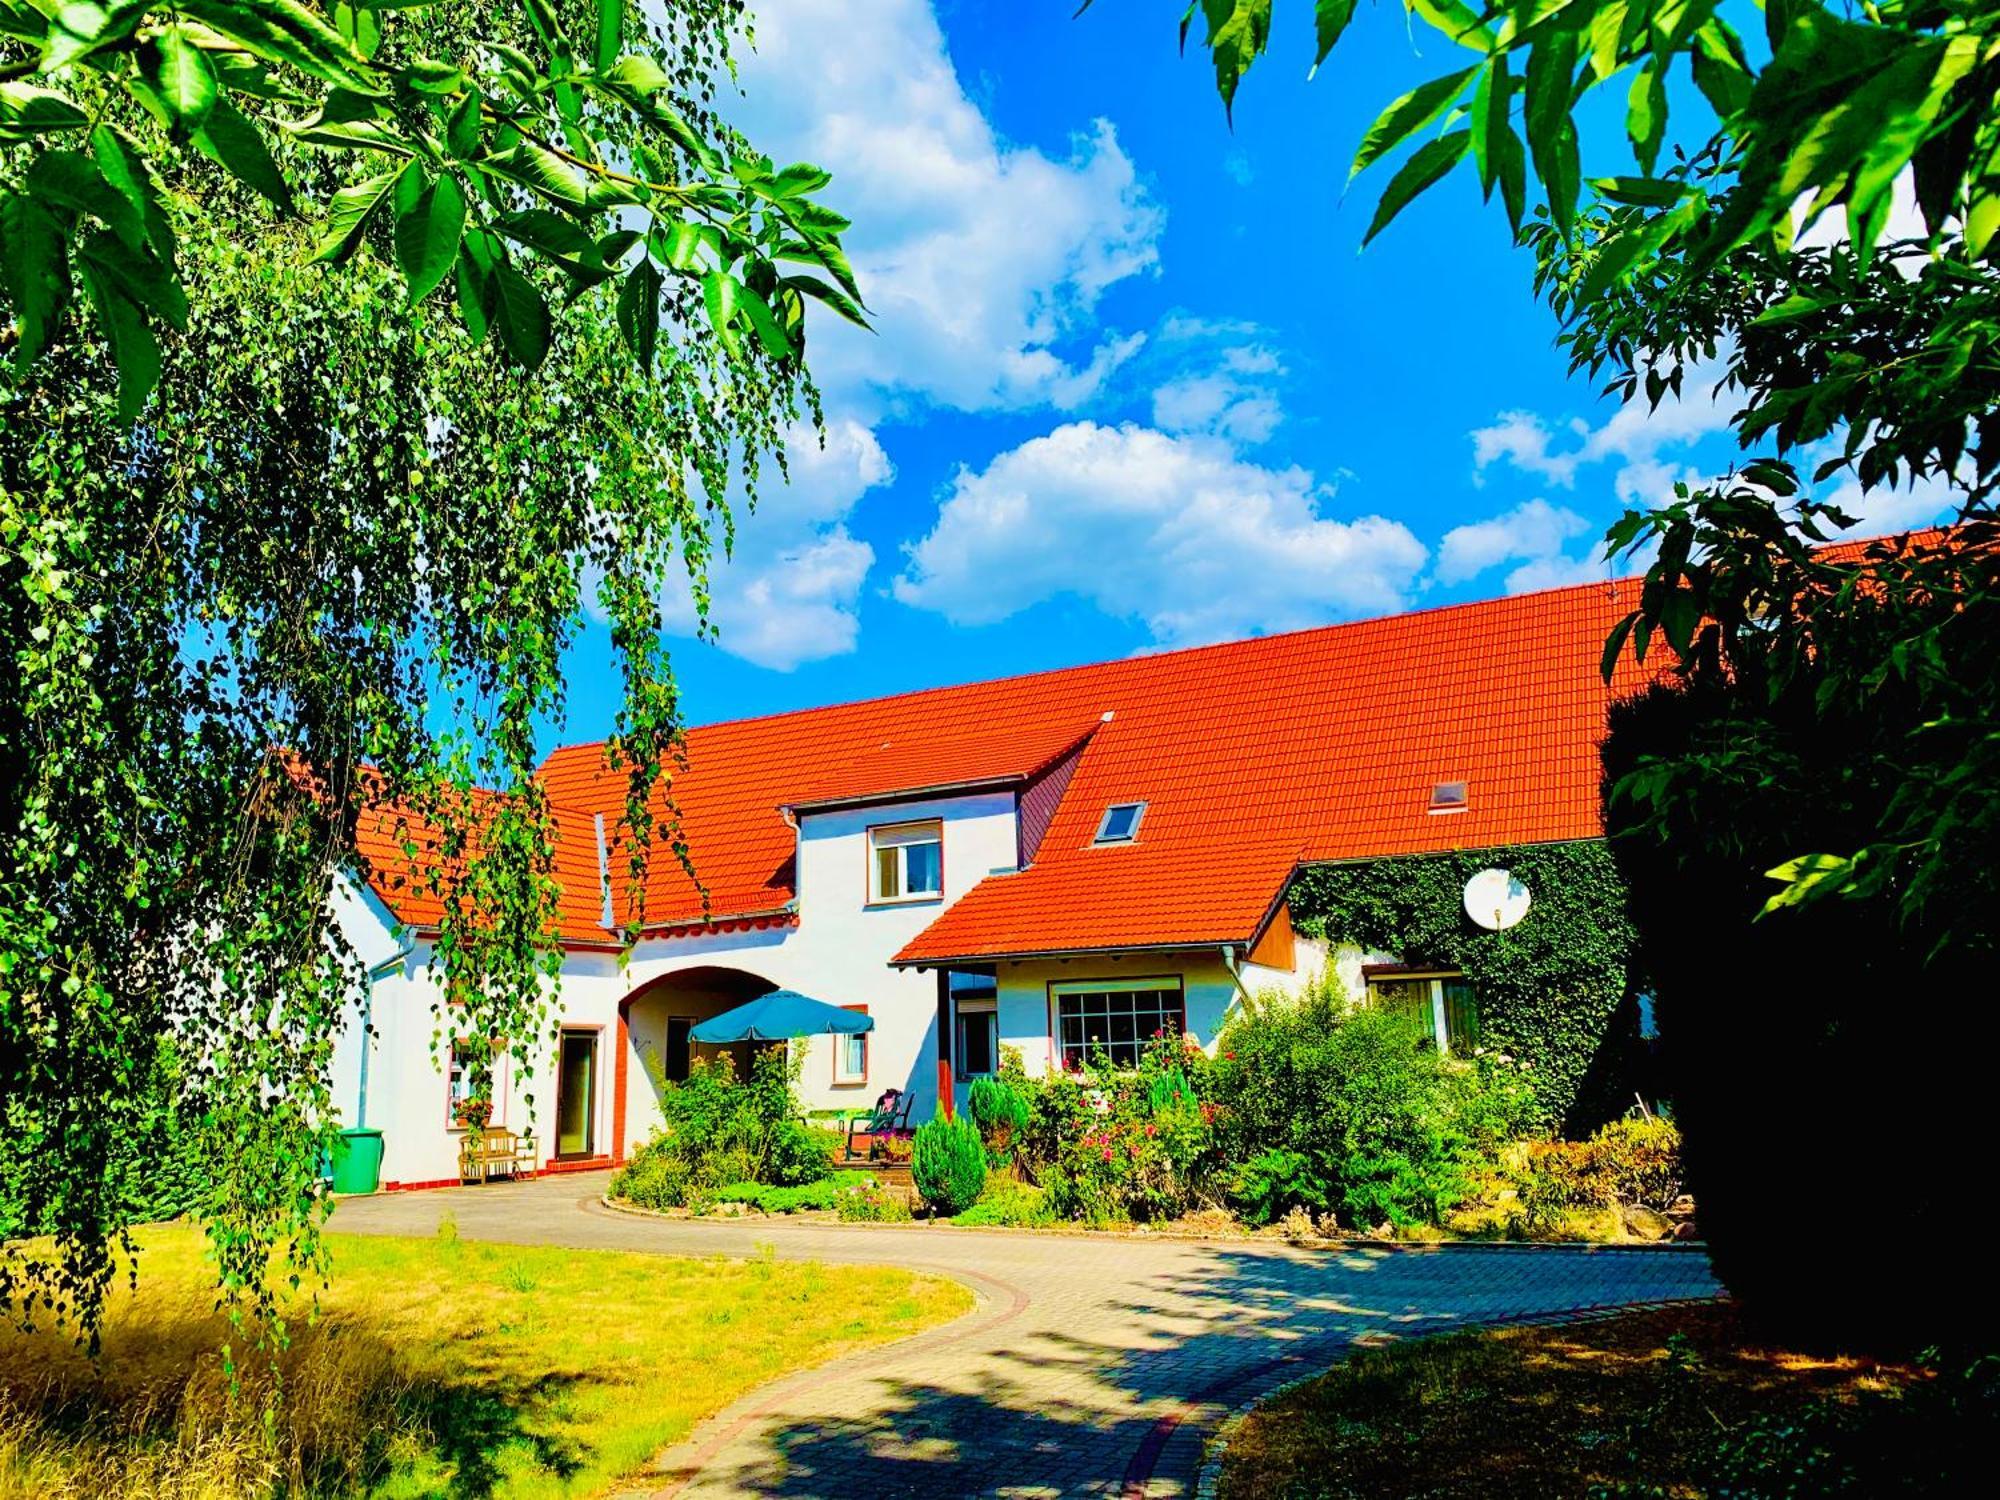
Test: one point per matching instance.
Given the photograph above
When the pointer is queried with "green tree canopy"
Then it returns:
(409, 336)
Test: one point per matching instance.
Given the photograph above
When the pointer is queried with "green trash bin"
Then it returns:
(357, 1161)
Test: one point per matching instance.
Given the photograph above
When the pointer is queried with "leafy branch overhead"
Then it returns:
(474, 172)
(1843, 106)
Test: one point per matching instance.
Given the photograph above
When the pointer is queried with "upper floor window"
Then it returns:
(1441, 1005)
(1120, 824)
(906, 862)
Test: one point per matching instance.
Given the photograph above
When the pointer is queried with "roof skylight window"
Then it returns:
(1120, 824)
(1448, 797)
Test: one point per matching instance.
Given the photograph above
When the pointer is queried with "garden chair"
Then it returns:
(891, 1114)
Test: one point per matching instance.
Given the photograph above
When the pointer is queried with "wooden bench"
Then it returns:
(494, 1151)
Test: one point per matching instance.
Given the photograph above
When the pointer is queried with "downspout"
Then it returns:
(1235, 968)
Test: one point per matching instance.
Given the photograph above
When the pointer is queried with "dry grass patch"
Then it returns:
(1684, 1402)
(436, 1367)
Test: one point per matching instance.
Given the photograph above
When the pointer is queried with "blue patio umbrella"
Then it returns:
(778, 1017)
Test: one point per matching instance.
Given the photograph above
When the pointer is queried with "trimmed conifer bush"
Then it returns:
(948, 1164)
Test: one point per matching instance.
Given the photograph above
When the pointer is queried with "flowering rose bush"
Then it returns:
(1114, 1144)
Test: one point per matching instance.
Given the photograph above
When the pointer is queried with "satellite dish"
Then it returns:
(1495, 900)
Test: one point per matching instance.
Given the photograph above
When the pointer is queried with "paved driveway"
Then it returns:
(1092, 1364)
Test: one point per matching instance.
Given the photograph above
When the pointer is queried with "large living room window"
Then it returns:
(1441, 1004)
(906, 862)
(1117, 1016)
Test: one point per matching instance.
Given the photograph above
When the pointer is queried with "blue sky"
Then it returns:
(1134, 385)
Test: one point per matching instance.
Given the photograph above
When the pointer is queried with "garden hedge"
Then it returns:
(1556, 990)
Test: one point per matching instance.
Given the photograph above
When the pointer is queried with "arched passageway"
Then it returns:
(654, 1047)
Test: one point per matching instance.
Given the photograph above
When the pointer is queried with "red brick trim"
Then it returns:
(555, 1168)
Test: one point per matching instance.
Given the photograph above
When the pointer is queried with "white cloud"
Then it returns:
(788, 593)
(1174, 531)
(980, 258)
(982, 262)
(1884, 511)
(1224, 382)
(1634, 440)
(1534, 532)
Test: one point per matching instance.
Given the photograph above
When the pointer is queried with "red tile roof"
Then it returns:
(397, 840)
(910, 765)
(1252, 757)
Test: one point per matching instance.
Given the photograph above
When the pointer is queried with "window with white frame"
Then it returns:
(1117, 1017)
(1441, 1004)
(906, 862)
(850, 1054)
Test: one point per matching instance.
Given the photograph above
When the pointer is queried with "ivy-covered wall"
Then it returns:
(1556, 989)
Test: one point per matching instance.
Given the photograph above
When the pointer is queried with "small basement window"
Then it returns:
(1120, 824)
(1448, 797)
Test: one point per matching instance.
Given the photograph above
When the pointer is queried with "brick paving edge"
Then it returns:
(1403, 1247)
(1215, 1448)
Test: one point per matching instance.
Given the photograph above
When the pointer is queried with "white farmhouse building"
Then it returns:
(1047, 863)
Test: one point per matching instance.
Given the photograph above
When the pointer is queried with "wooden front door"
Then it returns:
(576, 1094)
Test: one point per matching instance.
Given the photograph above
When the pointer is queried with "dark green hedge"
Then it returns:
(1556, 989)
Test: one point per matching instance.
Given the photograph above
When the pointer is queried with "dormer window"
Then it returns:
(1448, 797)
(906, 862)
(1120, 824)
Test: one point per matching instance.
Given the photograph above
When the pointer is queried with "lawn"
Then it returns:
(436, 1367)
(1682, 1403)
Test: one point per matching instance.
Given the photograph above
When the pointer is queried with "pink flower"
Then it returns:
(1152, 1130)
(1107, 1153)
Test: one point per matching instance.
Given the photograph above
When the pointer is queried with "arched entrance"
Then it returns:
(654, 1047)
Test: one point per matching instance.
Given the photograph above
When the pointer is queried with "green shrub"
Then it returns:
(1273, 1183)
(823, 1194)
(1640, 1160)
(1114, 1144)
(1560, 1178)
(1000, 1111)
(868, 1202)
(1010, 1204)
(717, 1130)
(1783, 1028)
(1395, 1131)
(655, 1177)
(948, 1164)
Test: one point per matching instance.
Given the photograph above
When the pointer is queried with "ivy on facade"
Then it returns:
(1557, 990)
